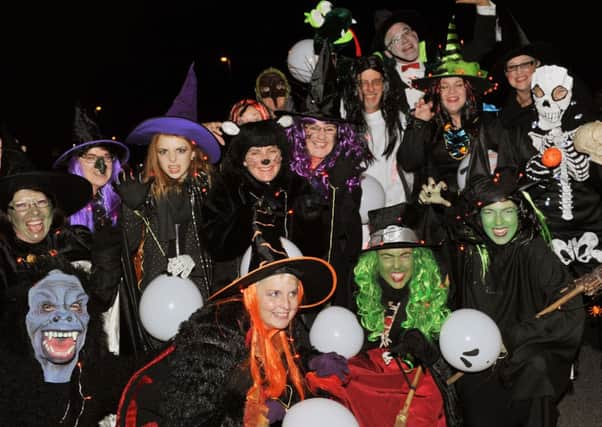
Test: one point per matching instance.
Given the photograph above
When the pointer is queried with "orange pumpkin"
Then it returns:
(551, 157)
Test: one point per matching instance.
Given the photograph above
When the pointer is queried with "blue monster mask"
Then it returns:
(57, 323)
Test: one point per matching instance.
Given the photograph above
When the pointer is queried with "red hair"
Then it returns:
(241, 106)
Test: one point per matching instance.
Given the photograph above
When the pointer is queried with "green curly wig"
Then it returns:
(426, 308)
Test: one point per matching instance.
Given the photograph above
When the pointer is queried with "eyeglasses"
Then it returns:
(405, 33)
(522, 66)
(376, 83)
(92, 158)
(328, 129)
(25, 205)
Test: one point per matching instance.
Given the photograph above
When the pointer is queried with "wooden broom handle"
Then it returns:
(401, 419)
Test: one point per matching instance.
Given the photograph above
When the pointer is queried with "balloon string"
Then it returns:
(150, 230)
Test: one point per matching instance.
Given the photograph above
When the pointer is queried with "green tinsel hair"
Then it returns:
(426, 308)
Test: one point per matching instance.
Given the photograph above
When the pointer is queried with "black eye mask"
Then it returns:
(272, 86)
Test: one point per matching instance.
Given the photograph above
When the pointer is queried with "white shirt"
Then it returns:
(383, 169)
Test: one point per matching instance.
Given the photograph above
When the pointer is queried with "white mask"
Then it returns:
(552, 90)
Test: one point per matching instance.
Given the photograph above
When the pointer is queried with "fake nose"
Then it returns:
(100, 165)
(265, 162)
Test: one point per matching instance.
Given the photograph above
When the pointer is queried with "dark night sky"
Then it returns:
(131, 57)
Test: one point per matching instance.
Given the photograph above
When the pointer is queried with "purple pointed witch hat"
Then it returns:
(180, 120)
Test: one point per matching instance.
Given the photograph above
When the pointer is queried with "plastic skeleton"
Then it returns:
(552, 92)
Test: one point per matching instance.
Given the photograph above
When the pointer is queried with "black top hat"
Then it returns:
(69, 192)
(385, 19)
(86, 134)
(393, 227)
(269, 258)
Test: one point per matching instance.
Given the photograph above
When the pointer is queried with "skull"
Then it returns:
(588, 140)
(552, 90)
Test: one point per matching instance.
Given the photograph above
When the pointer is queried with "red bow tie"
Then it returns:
(405, 67)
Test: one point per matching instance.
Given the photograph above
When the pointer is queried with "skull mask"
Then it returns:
(57, 323)
(552, 90)
(588, 140)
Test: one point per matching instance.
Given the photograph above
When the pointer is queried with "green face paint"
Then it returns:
(30, 213)
(500, 221)
(396, 266)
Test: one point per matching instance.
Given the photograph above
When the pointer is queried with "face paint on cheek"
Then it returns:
(396, 266)
(500, 221)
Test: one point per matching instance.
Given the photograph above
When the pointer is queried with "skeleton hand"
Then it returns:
(181, 265)
(431, 193)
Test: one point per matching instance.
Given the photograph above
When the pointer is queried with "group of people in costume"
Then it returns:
(261, 213)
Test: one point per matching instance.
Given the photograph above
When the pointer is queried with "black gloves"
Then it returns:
(131, 189)
(343, 169)
(412, 341)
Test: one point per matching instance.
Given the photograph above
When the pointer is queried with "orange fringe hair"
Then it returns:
(267, 371)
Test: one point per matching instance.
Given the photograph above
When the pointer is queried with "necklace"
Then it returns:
(457, 141)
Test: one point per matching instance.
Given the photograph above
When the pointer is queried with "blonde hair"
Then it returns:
(162, 182)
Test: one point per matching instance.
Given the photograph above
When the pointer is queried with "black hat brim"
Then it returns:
(318, 277)
(70, 192)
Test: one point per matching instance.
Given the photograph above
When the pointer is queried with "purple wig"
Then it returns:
(110, 199)
(349, 144)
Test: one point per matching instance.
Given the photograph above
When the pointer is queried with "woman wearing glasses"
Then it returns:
(98, 160)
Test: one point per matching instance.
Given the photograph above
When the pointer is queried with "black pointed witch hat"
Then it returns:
(86, 134)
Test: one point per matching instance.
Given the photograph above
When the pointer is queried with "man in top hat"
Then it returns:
(399, 33)
(238, 360)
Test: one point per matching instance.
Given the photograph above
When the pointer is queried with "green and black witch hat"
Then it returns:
(452, 64)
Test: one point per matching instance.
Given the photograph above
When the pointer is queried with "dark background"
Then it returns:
(131, 57)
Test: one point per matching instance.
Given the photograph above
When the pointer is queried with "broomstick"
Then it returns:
(401, 419)
(589, 284)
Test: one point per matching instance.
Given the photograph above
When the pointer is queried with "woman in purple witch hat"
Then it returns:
(99, 160)
(161, 209)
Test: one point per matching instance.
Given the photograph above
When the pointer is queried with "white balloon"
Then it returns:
(470, 340)
(166, 302)
(302, 60)
(373, 196)
(319, 412)
(463, 168)
(337, 329)
(289, 247)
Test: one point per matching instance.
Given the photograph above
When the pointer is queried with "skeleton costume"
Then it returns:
(567, 193)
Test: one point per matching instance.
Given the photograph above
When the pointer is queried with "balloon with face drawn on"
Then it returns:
(57, 323)
(470, 340)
